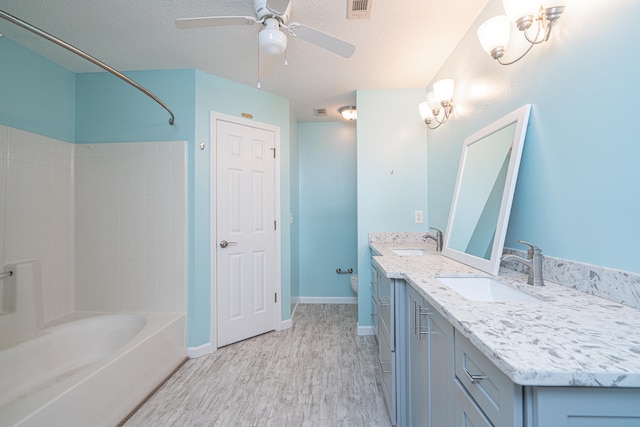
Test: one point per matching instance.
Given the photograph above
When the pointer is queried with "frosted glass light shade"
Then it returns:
(494, 33)
(443, 90)
(516, 9)
(271, 40)
(425, 111)
(432, 101)
(349, 112)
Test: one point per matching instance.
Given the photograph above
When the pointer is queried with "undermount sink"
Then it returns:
(410, 252)
(486, 289)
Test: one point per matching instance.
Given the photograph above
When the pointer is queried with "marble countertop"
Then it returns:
(569, 338)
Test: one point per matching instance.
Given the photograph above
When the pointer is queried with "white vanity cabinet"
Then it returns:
(429, 361)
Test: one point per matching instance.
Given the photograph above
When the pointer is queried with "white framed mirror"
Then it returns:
(483, 194)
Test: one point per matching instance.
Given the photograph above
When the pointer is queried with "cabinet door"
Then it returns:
(374, 299)
(386, 309)
(441, 371)
(417, 362)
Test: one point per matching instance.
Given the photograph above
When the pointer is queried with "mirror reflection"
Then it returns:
(480, 195)
(484, 191)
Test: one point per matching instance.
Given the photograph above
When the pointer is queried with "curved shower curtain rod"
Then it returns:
(86, 56)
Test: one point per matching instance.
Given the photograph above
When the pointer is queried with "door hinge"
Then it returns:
(276, 297)
(274, 152)
(274, 225)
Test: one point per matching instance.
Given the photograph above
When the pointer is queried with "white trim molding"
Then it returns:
(365, 330)
(201, 350)
(286, 324)
(214, 117)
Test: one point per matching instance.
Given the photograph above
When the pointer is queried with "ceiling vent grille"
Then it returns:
(359, 9)
(320, 112)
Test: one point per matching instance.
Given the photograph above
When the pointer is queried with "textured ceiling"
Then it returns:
(402, 45)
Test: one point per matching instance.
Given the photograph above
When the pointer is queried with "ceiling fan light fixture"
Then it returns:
(271, 40)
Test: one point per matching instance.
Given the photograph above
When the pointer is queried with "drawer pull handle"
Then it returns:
(419, 312)
(474, 378)
(415, 318)
(382, 367)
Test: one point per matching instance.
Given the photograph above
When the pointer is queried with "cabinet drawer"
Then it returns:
(498, 397)
(466, 410)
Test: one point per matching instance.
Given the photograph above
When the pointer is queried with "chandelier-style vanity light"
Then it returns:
(533, 19)
(439, 104)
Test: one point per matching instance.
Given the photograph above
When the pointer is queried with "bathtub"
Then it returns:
(89, 369)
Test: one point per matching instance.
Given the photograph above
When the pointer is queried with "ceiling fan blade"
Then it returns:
(321, 39)
(279, 7)
(214, 21)
(266, 65)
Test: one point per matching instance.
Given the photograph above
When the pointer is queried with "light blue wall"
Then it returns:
(223, 96)
(36, 94)
(577, 194)
(108, 109)
(328, 202)
(392, 173)
(295, 209)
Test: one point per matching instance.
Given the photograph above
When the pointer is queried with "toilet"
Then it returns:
(354, 283)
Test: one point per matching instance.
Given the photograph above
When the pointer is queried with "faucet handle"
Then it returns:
(438, 230)
(533, 249)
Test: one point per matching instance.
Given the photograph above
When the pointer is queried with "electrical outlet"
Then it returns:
(419, 217)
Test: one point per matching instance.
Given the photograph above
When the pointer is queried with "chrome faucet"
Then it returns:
(533, 261)
(437, 237)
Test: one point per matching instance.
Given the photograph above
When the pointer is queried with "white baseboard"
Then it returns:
(328, 300)
(202, 350)
(286, 324)
(365, 330)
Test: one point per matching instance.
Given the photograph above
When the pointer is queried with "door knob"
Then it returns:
(224, 243)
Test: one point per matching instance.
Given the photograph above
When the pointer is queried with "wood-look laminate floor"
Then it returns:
(318, 373)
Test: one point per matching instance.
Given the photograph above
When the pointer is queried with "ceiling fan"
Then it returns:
(273, 15)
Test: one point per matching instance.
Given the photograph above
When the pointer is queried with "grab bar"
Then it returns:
(86, 56)
(5, 274)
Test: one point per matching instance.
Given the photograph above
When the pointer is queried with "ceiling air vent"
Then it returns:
(321, 112)
(359, 9)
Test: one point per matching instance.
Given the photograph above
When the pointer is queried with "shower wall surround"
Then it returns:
(36, 216)
(131, 226)
(106, 224)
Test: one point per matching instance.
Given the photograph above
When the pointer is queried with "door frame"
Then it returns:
(214, 118)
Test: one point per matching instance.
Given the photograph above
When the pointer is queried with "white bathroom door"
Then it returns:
(245, 243)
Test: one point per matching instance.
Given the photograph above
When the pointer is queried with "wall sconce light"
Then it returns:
(439, 104)
(349, 112)
(525, 14)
